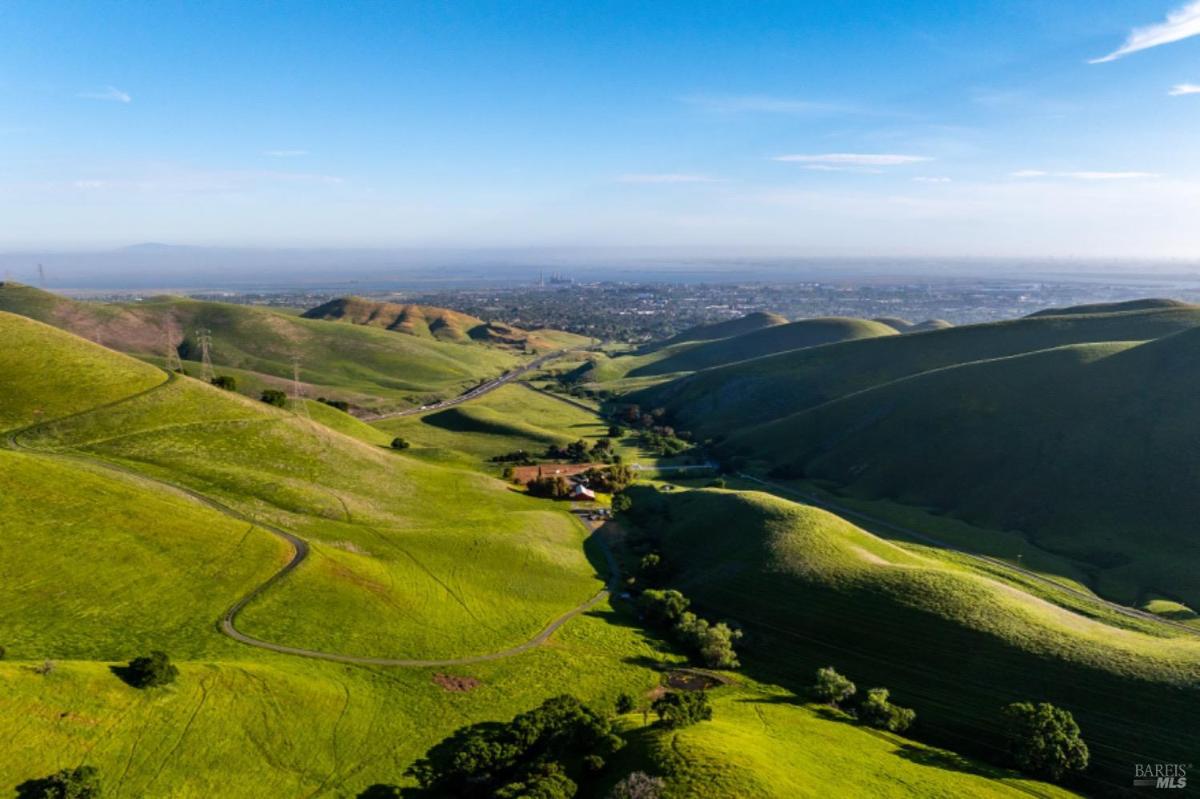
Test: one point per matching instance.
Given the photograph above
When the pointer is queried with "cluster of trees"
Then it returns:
(518, 456)
(682, 708)
(81, 782)
(613, 480)
(150, 671)
(873, 708)
(580, 452)
(400, 443)
(1043, 740)
(654, 433)
(549, 487)
(711, 643)
(540, 753)
(227, 382)
(273, 396)
(341, 405)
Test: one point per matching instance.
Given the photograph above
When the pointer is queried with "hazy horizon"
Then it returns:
(1011, 130)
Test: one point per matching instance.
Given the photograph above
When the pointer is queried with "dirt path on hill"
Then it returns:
(300, 551)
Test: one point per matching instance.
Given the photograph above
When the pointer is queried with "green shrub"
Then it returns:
(878, 712)
(150, 671)
(682, 709)
(400, 443)
(273, 396)
(832, 687)
(226, 382)
(81, 782)
(625, 703)
(1044, 740)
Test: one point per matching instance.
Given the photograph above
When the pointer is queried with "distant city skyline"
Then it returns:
(1008, 129)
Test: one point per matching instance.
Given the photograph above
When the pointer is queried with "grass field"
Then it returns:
(368, 365)
(513, 417)
(766, 743)
(103, 560)
(949, 641)
(723, 399)
(1088, 450)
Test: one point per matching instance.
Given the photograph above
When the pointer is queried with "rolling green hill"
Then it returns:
(731, 327)
(763, 744)
(138, 506)
(953, 642)
(741, 339)
(723, 399)
(764, 341)
(363, 364)
(1091, 450)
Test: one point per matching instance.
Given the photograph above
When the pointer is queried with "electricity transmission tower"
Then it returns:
(173, 363)
(42, 275)
(204, 339)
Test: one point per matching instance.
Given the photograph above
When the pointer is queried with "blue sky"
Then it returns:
(944, 127)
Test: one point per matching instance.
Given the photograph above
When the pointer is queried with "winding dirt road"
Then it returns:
(300, 551)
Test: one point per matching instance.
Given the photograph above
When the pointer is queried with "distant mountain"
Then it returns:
(439, 323)
(416, 320)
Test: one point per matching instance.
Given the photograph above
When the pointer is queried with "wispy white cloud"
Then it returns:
(761, 104)
(853, 159)
(285, 153)
(930, 179)
(1180, 89)
(1082, 175)
(110, 93)
(669, 177)
(1182, 23)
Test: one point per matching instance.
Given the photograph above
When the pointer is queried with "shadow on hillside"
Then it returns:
(947, 761)
(36, 789)
(125, 675)
(380, 791)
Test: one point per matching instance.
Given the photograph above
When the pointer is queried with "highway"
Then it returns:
(478, 391)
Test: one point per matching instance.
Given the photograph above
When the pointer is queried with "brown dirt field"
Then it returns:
(523, 474)
(456, 684)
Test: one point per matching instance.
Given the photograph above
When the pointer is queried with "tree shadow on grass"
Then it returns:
(125, 675)
(947, 761)
(380, 791)
(35, 789)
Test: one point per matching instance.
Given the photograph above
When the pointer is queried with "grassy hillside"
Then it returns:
(723, 399)
(103, 560)
(765, 341)
(953, 643)
(513, 417)
(764, 744)
(1150, 304)
(44, 370)
(732, 327)
(1090, 450)
(439, 323)
(367, 364)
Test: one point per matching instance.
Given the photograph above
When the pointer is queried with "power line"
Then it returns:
(173, 362)
(204, 340)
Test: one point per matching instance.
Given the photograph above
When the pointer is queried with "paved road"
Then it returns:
(300, 551)
(842, 510)
(478, 391)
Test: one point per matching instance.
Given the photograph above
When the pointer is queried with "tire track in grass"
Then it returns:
(300, 552)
